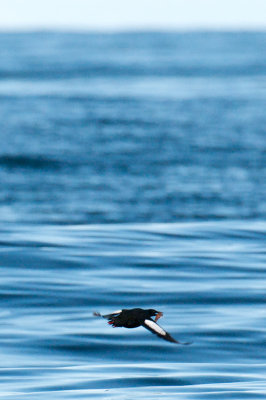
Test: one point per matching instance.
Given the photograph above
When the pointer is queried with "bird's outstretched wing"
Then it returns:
(107, 316)
(157, 330)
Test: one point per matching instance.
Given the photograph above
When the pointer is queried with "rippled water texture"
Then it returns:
(208, 278)
(132, 127)
(104, 137)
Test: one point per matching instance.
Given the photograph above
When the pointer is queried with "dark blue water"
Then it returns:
(132, 174)
(132, 128)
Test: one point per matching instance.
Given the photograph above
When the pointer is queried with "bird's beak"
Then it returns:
(158, 315)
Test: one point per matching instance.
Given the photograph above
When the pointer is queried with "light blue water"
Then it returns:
(132, 174)
(208, 278)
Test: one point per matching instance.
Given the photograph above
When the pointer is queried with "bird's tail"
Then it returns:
(97, 314)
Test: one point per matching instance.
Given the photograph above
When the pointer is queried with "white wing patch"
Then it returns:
(116, 312)
(156, 328)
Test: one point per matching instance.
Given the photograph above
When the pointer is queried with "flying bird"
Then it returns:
(138, 317)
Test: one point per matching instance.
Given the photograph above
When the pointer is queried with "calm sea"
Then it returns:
(132, 174)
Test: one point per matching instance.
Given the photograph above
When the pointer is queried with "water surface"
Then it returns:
(208, 278)
(132, 174)
(117, 128)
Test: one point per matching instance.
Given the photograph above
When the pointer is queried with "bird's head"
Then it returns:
(156, 314)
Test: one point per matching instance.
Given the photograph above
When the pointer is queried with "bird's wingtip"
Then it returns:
(184, 343)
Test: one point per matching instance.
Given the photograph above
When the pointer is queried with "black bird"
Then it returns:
(138, 317)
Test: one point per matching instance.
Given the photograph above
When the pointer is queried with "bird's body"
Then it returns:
(138, 317)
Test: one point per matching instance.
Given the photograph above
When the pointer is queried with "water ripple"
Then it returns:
(207, 278)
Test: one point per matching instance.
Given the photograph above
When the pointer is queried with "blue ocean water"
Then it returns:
(133, 174)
